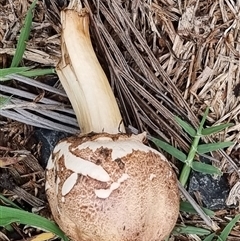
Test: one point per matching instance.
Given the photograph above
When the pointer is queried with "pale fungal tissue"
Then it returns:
(120, 148)
(84, 167)
(47, 185)
(50, 163)
(152, 176)
(69, 183)
(57, 184)
(105, 193)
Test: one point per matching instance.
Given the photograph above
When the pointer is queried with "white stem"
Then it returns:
(84, 79)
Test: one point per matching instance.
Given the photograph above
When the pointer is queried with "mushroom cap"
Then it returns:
(104, 187)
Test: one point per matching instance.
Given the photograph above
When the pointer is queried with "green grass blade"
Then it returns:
(226, 231)
(205, 168)
(185, 173)
(186, 127)
(192, 152)
(7, 201)
(210, 237)
(12, 70)
(10, 215)
(25, 71)
(215, 129)
(38, 72)
(205, 148)
(187, 207)
(24, 35)
(190, 230)
(203, 120)
(169, 149)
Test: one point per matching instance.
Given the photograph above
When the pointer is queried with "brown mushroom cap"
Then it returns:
(111, 188)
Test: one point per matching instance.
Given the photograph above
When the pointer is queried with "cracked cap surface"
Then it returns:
(111, 187)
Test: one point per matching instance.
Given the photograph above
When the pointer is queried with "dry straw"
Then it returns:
(163, 58)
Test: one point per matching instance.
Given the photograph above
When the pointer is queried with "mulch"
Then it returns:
(163, 58)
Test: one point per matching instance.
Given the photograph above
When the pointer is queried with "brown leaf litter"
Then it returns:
(163, 57)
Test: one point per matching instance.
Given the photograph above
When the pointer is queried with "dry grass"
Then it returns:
(163, 58)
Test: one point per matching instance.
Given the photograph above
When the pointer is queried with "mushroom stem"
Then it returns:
(83, 78)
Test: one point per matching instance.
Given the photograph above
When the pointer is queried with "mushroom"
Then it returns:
(104, 184)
